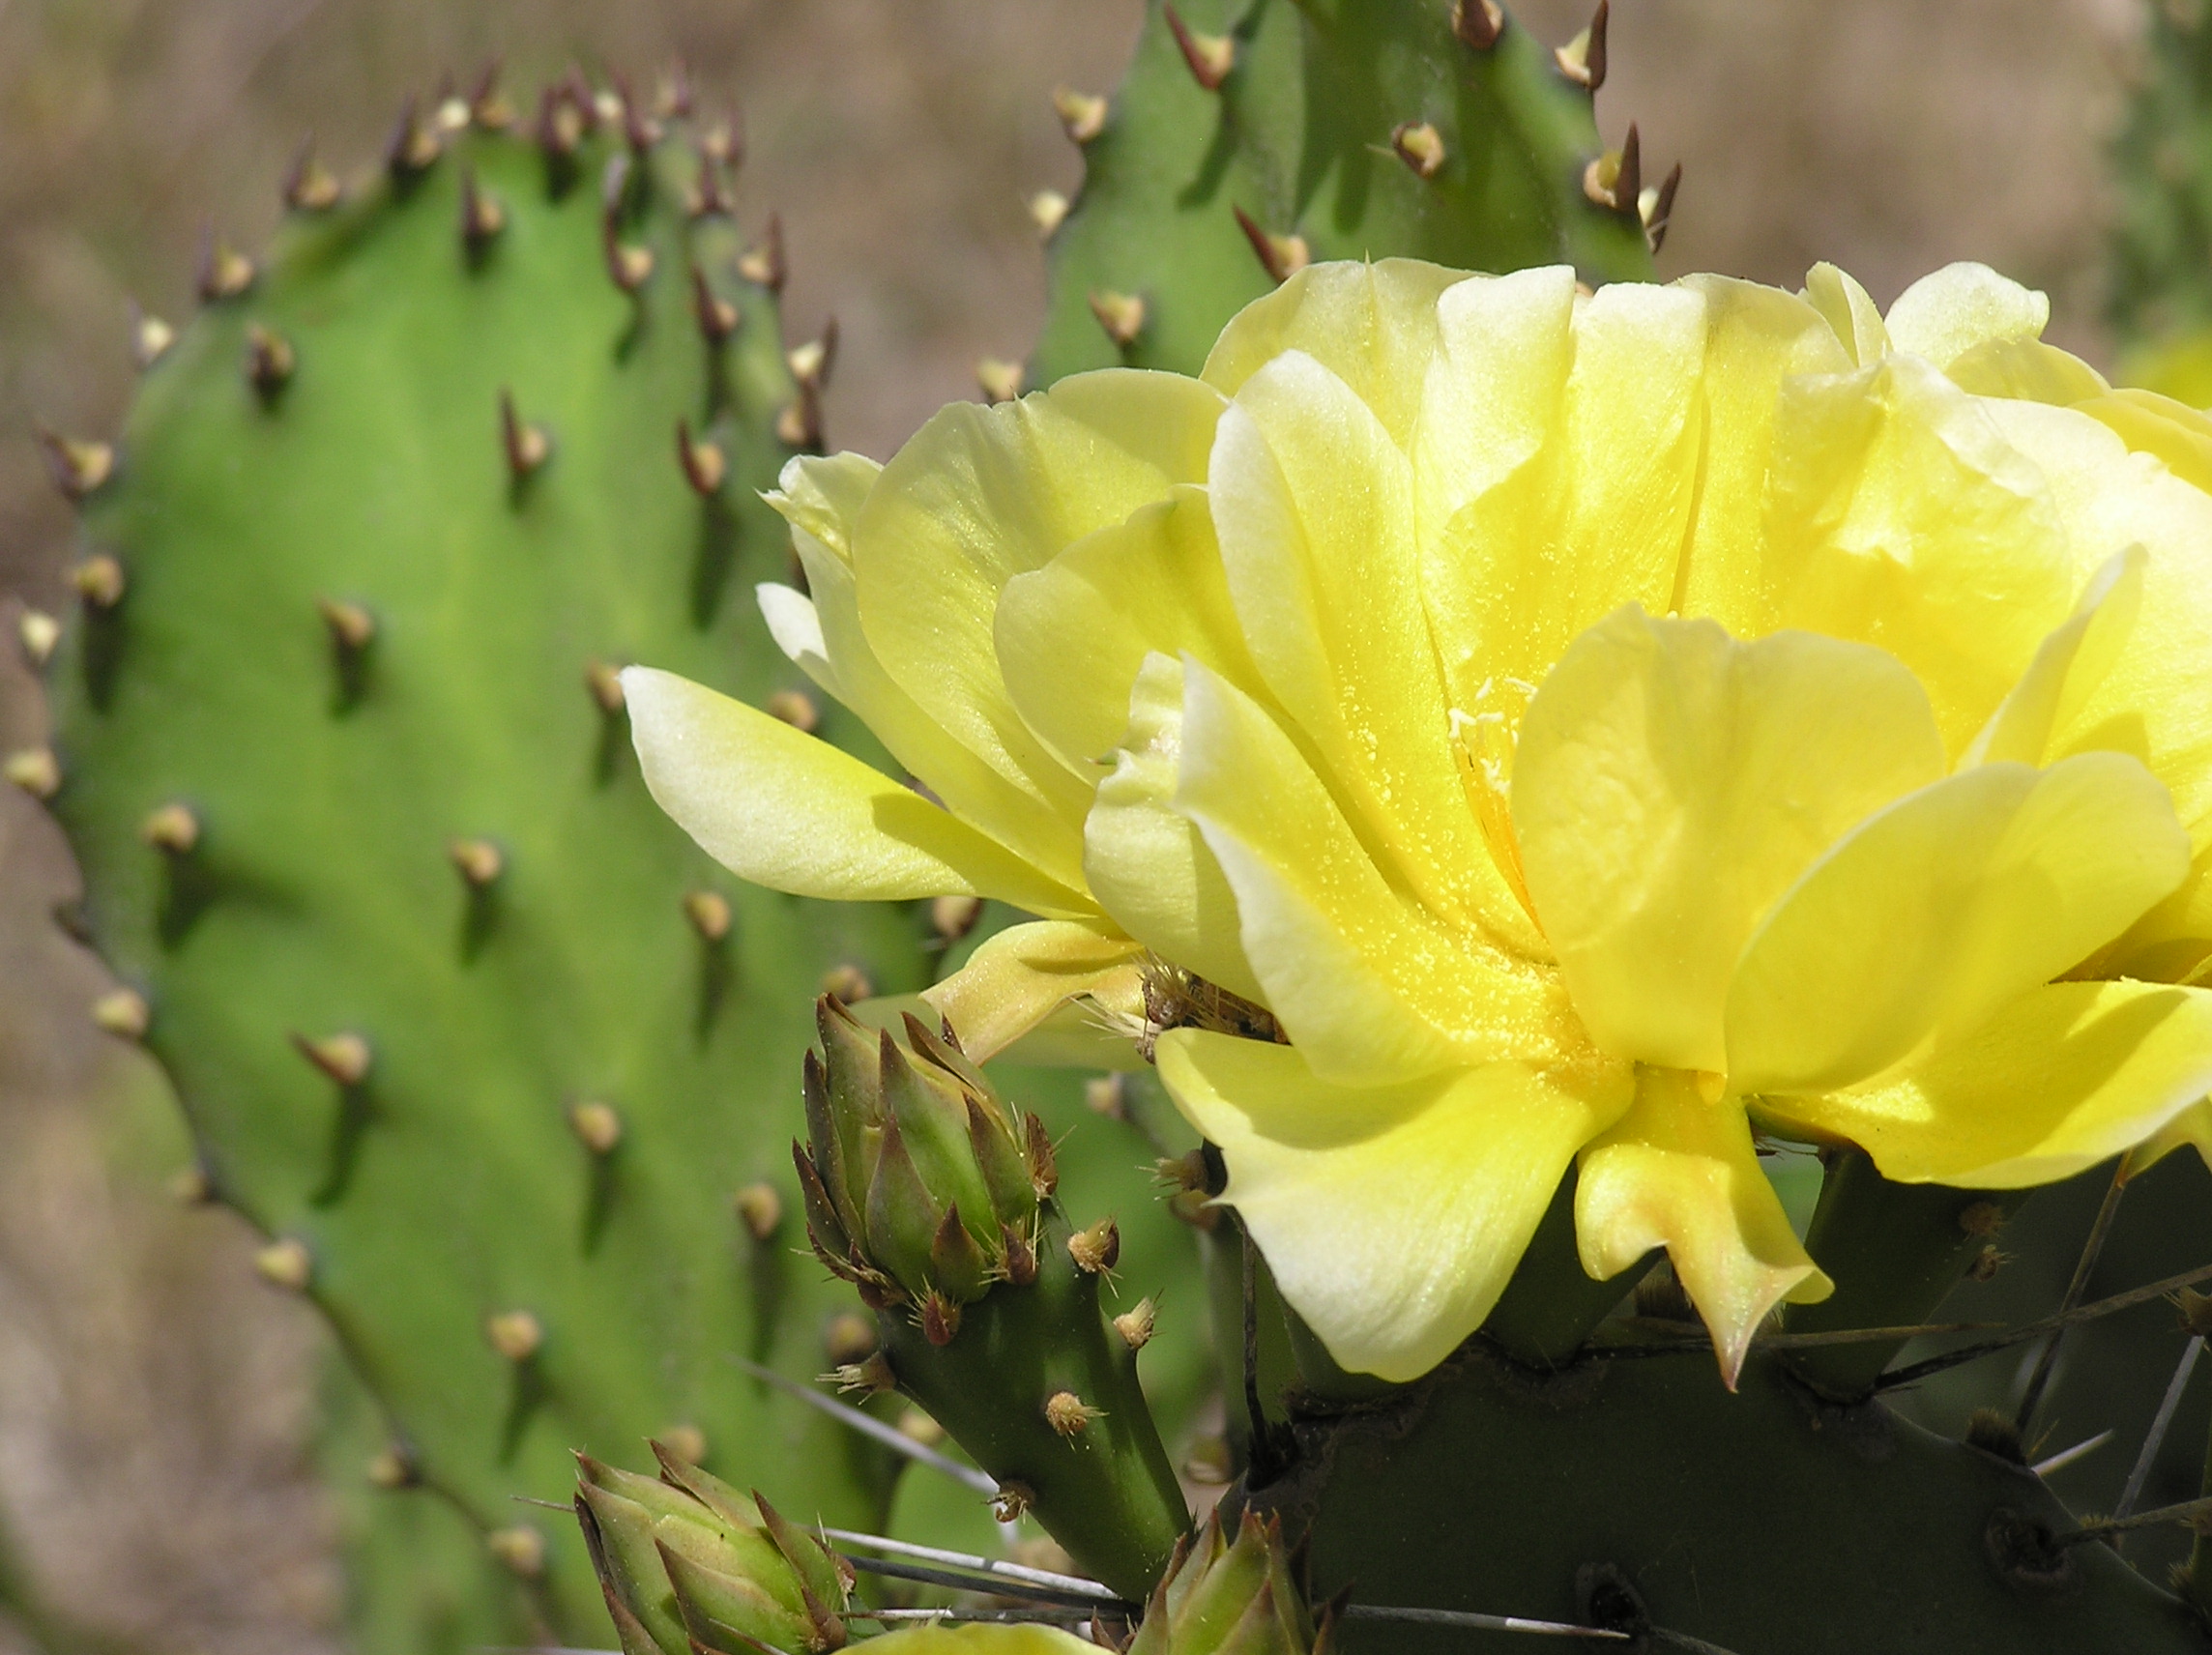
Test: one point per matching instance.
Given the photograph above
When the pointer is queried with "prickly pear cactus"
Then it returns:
(497, 1060)
(1250, 136)
(2162, 234)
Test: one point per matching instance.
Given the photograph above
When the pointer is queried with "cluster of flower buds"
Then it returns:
(688, 1565)
(920, 1187)
(1220, 1596)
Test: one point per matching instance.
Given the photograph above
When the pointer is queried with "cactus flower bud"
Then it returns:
(688, 1563)
(1240, 1595)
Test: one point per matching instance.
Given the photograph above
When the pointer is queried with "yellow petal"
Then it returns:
(1369, 984)
(2191, 1129)
(1679, 1171)
(1899, 515)
(1390, 1216)
(785, 810)
(1851, 310)
(1603, 457)
(1756, 339)
(1073, 634)
(2068, 667)
(2063, 1077)
(1147, 862)
(1021, 975)
(2026, 371)
(980, 495)
(1313, 501)
(2153, 424)
(1933, 915)
(822, 634)
(1949, 312)
(1372, 325)
(1672, 783)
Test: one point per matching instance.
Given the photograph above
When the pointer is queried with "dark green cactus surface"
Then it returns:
(415, 947)
(1337, 129)
(2161, 265)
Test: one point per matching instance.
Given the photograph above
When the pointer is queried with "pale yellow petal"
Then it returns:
(1679, 1171)
(1949, 312)
(1147, 862)
(1851, 310)
(980, 495)
(1935, 913)
(785, 810)
(1672, 783)
(1312, 503)
(2026, 371)
(1373, 325)
(2068, 667)
(2061, 1078)
(1370, 985)
(795, 626)
(1073, 634)
(1898, 514)
(1390, 1216)
(2191, 1129)
(1021, 975)
(822, 496)
(1756, 339)
(1594, 514)
(2153, 424)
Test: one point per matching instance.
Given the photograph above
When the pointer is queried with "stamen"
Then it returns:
(1485, 741)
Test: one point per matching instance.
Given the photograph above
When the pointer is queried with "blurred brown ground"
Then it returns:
(153, 1400)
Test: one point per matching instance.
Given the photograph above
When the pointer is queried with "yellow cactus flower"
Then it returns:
(1555, 727)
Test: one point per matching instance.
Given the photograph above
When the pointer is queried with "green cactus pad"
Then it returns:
(416, 911)
(1363, 128)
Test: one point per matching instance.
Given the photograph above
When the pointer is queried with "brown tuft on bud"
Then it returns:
(488, 106)
(1581, 60)
(848, 982)
(1120, 314)
(1107, 1095)
(604, 681)
(1068, 1413)
(709, 912)
(391, 1468)
(762, 263)
(850, 1337)
(1656, 208)
(1097, 1249)
(34, 770)
(629, 267)
(794, 708)
(122, 1012)
(1082, 114)
(718, 317)
(77, 467)
(482, 218)
(527, 446)
(1986, 1264)
(149, 338)
(520, 1548)
(1020, 1268)
(999, 380)
(477, 860)
(1420, 146)
(1993, 1432)
(1615, 180)
(1012, 1502)
(810, 364)
(1135, 1326)
(38, 632)
(1209, 57)
(799, 425)
(760, 1210)
(1037, 1150)
(952, 917)
(940, 1318)
(1280, 256)
(1983, 1218)
(516, 1334)
(171, 828)
(270, 360)
(597, 1126)
(1477, 22)
(1048, 211)
(705, 468)
(562, 122)
(99, 581)
(351, 628)
(2196, 1310)
(414, 146)
(871, 1375)
(224, 272)
(343, 1058)
(687, 1441)
(285, 1262)
(310, 186)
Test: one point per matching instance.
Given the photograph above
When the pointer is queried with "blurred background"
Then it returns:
(156, 1492)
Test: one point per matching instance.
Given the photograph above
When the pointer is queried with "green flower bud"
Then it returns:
(686, 1563)
(1223, 1597)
